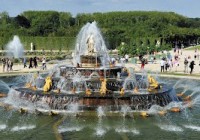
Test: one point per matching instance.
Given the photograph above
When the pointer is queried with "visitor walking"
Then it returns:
(24, 62)
(195, 55)
(176, 64)
(143, 63)
(3, 63)
(8, 64)
(44, 67)
(191, 66)
(30, 63)
(162, 64)
(185, 65)
(170, 64)
(166, 65)
(35, 62)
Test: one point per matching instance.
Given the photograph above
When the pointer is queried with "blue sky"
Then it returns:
(189, 8)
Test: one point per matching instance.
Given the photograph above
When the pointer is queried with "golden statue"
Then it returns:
(103, 88)
(122, 92)
(48, 84)
(153, 84)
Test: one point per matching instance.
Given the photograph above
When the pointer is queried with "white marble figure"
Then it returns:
(90, 43)
(31, 46)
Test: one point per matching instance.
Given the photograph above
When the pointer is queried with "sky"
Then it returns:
(188, 8)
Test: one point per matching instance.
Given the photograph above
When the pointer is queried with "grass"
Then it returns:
(193, 48)
(170, 74)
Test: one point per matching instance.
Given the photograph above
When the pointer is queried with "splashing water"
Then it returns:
(4, 85)
(126, 130)
(69, 129)
(185, 89)
(174, 104)
(23, 128)
(125, 109)
(178, 83)
(100, 112)
(192, 127)
(196, 101)
(155, 109)
(171, 128)
(129, 83)
(74, 108)
(195, 90)
(15, 48)
(100, 131)
(3, 126)
(18, 102)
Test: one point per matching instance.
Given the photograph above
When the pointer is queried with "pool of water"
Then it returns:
(121, 125)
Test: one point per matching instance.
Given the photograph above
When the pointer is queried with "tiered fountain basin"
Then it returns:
(112, 99)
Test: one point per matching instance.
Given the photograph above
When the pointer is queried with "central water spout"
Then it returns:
(91, 47)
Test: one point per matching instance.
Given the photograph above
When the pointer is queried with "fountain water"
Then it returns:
(15, 48)
(91, 43)
(100, 113)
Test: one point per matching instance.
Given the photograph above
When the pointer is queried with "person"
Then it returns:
(152, 59)
(124, 73)
(78, 65)
(30, 63)
(126, 57)
(24, 62)
(191, 66)
(166, 65)
(189, 60)
(174, 49)
(113, 60)
(162, 64)
(181, 50)
(3, 63)
(185, 65)
(44, 67)
(142, 63)
(176, 63)
(170, 64)
(8, 64)
(195, 55)
(35, 61)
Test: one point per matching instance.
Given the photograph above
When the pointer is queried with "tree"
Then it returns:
(22, 21)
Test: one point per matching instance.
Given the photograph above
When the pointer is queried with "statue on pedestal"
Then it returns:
(31, 46)
(90, 44)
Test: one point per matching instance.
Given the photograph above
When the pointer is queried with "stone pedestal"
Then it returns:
(90, 61)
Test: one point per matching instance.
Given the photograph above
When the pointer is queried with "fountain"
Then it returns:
(15, 48)
(97, 100)
(92, 81)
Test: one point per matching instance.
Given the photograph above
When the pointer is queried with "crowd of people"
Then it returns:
(33, 62)
(7, 63)
(174, 62)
